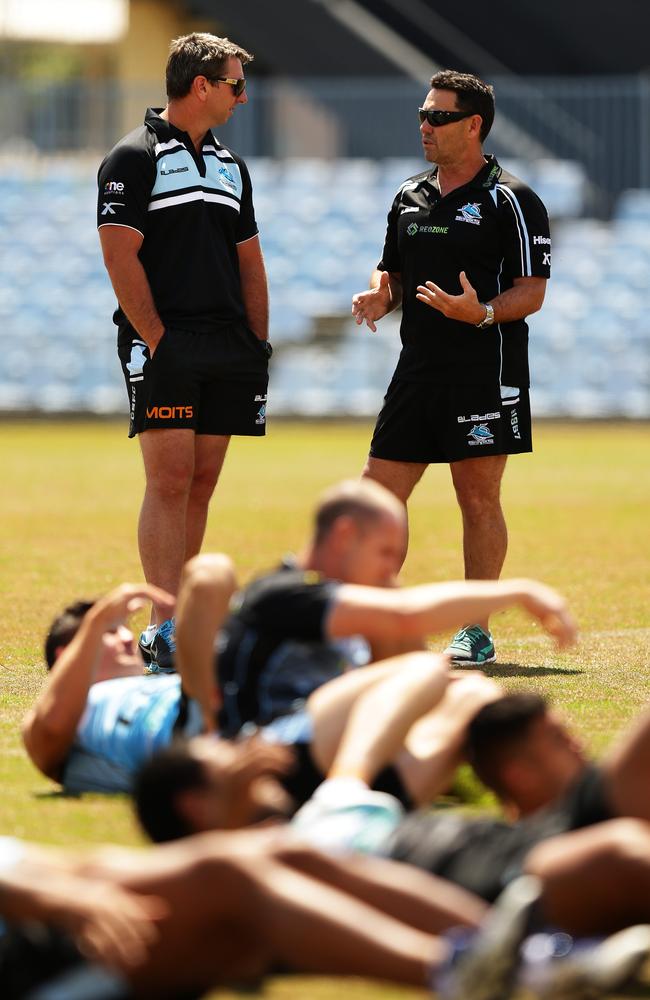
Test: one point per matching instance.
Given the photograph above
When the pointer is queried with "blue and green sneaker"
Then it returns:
(157, 646)
(472, 646)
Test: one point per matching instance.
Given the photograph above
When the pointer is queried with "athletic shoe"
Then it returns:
(599, 970)
(485, 966)
(157, 645)
(471, 647)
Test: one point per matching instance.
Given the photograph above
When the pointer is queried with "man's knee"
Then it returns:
(477, 499)
(203, 484)
(605, 844)
(205, 574)
(171, 478)
(478, 483)
(400, 478)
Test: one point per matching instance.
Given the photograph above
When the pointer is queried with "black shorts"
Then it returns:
(304, 779)
(481, 855)
(484, 855)
(33, 955)
(428, 423)
(211, 383)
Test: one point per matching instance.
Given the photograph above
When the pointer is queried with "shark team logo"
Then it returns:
(480, 434)
(227, 178)
(471, 212)
(260, 417)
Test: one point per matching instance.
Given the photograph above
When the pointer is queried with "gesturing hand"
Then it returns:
(115, 607)
(465, 307)
(373, 304)
(113, 926)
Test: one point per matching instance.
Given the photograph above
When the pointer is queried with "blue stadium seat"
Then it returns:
(322, 227)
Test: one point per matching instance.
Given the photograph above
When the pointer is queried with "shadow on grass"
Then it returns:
(519, 670)
(59, 794)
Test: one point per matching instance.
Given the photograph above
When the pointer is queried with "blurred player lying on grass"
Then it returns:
(98, 717)
(520, 747)
(592, 871)
(176, 920)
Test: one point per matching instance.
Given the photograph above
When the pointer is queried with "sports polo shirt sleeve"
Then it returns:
(390, 258)
(526, 233)
(290, 604)
(125, 181)
(247, 226)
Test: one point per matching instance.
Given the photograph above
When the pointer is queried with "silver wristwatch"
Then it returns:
(488, 319)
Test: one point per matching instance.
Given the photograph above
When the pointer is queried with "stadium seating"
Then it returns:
(322, 225)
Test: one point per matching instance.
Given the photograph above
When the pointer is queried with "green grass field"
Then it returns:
(577, 516)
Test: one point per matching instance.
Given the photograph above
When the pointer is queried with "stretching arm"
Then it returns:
(415, 612)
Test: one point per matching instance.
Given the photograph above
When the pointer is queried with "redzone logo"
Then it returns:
(170, 412)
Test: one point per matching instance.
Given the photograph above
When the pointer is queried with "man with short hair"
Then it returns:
(334, 607)
(180, 243)
(467, 253)
(98, 716)
(528, 756)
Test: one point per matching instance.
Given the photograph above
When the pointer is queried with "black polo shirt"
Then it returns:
(192, 212)
(495, 229)
(273, 650)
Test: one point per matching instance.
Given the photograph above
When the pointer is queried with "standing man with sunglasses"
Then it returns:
(180, 243)
(467, 254)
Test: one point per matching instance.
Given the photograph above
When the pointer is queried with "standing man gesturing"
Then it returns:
(180, 243)
(467, 253)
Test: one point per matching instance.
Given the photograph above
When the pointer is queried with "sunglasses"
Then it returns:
(238, 84)
(435, 118)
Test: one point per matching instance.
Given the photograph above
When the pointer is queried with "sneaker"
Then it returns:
(600, 970)
(157, 646)
(472, 647)
(487, 968)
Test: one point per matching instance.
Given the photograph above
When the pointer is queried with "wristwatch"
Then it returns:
(488, 319)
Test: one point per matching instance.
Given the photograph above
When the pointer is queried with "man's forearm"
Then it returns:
(394, 284)
(440, 606)
(255, 292)
(518, 302)
(420, 611)
(50, 726)
(133, 292)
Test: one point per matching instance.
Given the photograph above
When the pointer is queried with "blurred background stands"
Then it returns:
(329, 141)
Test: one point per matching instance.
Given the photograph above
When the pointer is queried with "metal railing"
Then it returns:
(602, 123)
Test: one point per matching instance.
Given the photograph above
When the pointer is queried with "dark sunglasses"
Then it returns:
(238, 84)
(435, 118)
